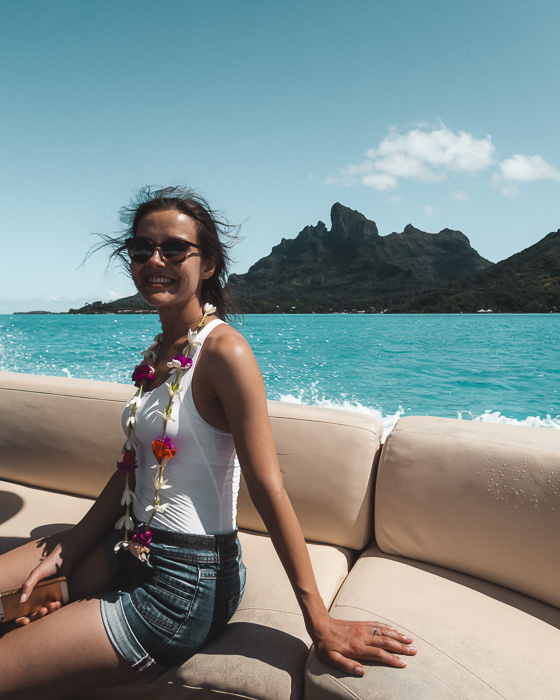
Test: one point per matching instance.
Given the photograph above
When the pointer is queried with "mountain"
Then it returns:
(127, 305)
(351, 266)
(527, 282)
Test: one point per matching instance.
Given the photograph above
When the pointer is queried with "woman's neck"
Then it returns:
(175, 324)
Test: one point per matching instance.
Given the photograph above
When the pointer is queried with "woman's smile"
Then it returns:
(159, 281)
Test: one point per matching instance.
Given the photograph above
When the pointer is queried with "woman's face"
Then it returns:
(160, 282)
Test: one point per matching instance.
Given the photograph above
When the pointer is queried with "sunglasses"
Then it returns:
(174, 250)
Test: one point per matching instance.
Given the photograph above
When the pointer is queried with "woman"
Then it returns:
(173, 496)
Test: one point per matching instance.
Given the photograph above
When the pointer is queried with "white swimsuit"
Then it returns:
(203, 475)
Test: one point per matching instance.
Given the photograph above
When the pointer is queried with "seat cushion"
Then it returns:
(261, 654)
(475, 639)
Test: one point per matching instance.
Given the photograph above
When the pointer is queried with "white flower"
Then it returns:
(123, 544)
(164, 416)
(126, 522)
(127, 497)
(174, 366)
(209, 309)
(131, 422)
(158, 509)
(151, 352)
(192, 341)
(127, 446)
(171, 390)
(134, 402)
(162, 485)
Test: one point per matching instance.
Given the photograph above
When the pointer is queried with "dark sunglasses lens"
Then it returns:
(174, 250)
(139, 250)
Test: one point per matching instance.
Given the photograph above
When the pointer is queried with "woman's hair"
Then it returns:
(215, 236)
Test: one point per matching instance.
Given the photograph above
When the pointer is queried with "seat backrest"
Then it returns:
(327, 458)
(65, 435)
(479, 498)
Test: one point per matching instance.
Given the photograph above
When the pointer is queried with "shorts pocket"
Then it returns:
(233, 604)
(165, 601)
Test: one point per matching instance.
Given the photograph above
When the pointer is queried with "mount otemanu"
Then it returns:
(351, 267)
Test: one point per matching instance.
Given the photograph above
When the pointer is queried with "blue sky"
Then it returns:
(439, 114)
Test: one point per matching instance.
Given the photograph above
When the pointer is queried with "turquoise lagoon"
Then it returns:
(501, 368)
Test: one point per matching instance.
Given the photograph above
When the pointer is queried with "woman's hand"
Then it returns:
(342, 643)
(50, 567)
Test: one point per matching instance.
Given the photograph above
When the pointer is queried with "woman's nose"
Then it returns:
(157, 257)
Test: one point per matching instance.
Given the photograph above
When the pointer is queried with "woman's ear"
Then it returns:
(208, 268)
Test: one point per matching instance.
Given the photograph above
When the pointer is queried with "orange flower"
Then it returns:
(162, 448)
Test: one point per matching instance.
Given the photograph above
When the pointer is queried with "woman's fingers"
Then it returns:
(37, 614)
(344, 664)
(29, 584)
(392, 640)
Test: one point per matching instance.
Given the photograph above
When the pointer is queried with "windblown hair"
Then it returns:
(215, 236)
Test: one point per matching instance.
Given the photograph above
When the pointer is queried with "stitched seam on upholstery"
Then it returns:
(58, 393)
(284, 612)
(371, 431)
(433, 646)
(478, 440)
(213, 691)
(348, 692)
(48, 489)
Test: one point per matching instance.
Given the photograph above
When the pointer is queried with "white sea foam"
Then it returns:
(389, 420)
(496, 417)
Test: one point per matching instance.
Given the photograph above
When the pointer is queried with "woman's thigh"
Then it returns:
(60, 655)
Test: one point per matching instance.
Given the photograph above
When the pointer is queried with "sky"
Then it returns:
(441, 114)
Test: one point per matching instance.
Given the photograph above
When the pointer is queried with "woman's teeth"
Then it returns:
(159, 280)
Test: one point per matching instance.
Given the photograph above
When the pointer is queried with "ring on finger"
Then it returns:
(375, 630)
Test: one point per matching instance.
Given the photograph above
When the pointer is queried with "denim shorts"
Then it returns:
(167, 609)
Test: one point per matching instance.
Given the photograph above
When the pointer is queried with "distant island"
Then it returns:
(352, 268)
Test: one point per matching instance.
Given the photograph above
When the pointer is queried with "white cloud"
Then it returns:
(434, 154)
(511, 191)
(429, 208)
(380, 181)
(527, 169)
(461, 195)
(420, 154)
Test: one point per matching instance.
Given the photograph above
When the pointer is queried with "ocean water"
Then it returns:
(499, 368)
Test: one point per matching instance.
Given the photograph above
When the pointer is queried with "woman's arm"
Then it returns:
(238, 384)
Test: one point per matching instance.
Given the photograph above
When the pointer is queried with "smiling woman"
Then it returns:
(155, 568)
(212, 235)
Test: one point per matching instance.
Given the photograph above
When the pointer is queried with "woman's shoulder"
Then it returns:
(226, 344)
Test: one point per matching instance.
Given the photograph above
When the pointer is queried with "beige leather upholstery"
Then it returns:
(479, 498)
(59, 433)
(27, 513)
(475, 640)
(326, 458)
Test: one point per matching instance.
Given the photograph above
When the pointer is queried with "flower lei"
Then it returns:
(162, 448)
